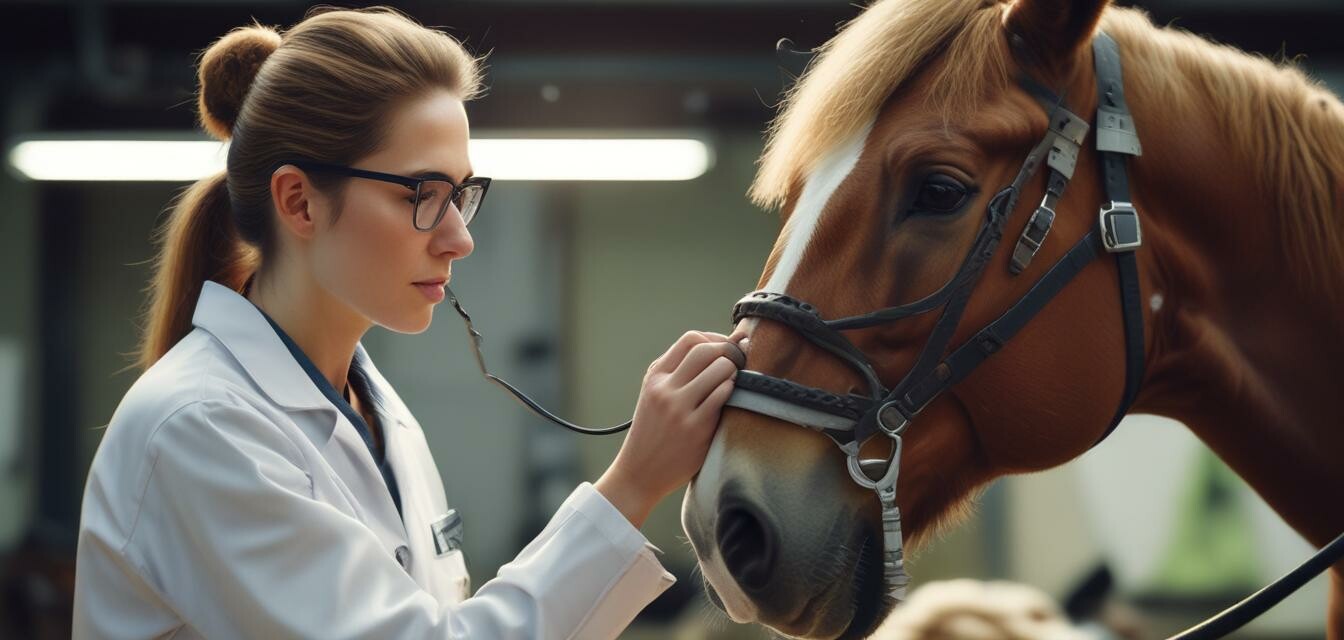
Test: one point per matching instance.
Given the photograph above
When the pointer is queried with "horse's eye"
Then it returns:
(940, 194)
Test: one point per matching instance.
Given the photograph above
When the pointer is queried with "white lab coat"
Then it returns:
(230, 499)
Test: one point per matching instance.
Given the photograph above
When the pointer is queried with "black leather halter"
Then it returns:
(851, 420)
(856, 418)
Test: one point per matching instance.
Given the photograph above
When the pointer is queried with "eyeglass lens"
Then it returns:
(432, 202)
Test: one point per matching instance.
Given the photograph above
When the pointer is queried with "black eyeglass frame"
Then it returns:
(408, 182)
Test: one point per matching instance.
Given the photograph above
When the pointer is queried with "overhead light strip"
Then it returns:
(565, 159)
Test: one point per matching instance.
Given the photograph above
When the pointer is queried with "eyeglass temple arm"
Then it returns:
(475, 342)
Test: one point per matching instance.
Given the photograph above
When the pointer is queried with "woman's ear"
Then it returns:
(1046, 34)
(291, 197)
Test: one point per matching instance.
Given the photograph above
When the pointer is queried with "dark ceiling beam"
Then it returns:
(562, 63)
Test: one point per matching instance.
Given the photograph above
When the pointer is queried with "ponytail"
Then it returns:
(198, 242)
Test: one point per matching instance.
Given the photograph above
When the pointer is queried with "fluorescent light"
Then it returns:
(140, 160)
(633, 159)
(590, 159)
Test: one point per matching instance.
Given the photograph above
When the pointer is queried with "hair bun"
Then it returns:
(226, 71)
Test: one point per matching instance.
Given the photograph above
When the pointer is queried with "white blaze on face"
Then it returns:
(830, 173)
(828, 176)
(797, 235)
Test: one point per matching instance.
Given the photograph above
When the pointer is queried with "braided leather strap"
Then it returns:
(850, 407)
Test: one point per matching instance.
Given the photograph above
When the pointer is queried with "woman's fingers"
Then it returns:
(713, 403)
(709, 379)
(668, 362)
(677, 412)
(699, 357)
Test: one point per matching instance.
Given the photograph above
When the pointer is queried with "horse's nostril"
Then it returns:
(747, 543)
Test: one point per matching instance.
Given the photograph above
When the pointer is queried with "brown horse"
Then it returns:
(886, 150)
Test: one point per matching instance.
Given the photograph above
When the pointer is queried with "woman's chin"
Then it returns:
(410, 323)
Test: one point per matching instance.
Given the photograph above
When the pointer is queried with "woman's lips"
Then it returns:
(432, 290)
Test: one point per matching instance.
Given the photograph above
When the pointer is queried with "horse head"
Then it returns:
(896, 164)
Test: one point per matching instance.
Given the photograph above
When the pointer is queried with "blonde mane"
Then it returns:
(1291, 127)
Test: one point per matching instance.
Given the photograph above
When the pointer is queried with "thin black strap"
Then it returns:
(1131, 303)
(998, 210)
(927, 361)
(989, 340)
(1238, 615)
(1117, 139)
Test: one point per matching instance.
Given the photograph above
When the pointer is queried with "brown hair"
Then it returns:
(320, 91)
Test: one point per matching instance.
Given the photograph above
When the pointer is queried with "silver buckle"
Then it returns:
(1120, 227)
(1033, 236)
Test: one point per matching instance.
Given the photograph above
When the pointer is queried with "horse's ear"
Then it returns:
(1046, 33)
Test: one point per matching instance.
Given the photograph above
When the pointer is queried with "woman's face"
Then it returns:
(373, 256)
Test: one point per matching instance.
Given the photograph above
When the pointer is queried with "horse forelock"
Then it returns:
(872, 57)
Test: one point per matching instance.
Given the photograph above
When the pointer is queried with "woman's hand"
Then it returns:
(675, 419)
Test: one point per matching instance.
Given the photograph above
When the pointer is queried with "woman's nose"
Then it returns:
(452, 235)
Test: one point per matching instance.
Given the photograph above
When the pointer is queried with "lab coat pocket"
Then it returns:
(453, 564)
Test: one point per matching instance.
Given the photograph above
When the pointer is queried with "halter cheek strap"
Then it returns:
(1117, 140)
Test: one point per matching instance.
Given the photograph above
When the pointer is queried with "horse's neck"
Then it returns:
(1241, 350)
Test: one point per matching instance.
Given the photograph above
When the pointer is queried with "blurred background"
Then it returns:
(578, 282)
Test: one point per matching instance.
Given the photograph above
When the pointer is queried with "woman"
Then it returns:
(236, 492)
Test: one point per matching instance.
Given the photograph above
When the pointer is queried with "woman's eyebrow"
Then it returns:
(439, 175)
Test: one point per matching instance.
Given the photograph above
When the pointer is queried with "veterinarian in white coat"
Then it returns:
(236, 493)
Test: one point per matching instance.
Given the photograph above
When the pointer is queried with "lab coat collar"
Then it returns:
(243, 330)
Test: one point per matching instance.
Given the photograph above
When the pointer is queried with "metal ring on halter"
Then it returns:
(891, 413)
(888, 478)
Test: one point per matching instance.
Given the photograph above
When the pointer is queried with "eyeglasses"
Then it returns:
(432, 195)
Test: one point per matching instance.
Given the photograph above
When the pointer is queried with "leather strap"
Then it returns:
(990, 339)
(1117, 139)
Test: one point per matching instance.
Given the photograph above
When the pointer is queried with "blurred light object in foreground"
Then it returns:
(184, 160)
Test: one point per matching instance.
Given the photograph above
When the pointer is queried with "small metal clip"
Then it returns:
(1120, 227)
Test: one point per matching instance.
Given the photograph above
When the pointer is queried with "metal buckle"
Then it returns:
(1120, 227)
(1033, 236)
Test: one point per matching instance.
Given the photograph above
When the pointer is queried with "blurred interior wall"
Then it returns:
(20, 412)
